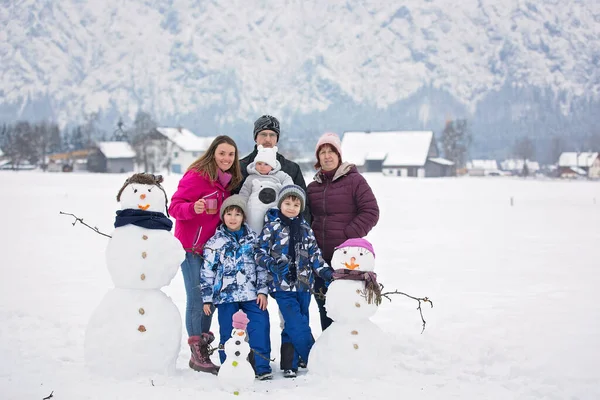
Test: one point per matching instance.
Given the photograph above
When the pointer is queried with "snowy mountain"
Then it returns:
(217, 65)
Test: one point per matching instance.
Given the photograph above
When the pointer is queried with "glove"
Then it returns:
(282, 266)
(279, 266)
(327, 275)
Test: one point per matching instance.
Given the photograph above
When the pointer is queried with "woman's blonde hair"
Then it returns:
(207, 166)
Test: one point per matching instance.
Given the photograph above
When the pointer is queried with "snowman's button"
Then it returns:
(237, 342)
(145, 237)
(357, 305)
(144, 254)
(354, 332)
(142, 328)
(235, 363)
(143, 276)
(141, 311)
(355, 346)
(237, 353)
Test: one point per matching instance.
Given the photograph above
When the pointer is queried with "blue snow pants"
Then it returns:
(258, 331)
(294, 309)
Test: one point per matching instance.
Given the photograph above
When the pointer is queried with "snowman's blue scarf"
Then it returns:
(143, 219)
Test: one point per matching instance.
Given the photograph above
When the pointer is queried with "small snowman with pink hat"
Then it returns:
(236, 373)
(352, 345)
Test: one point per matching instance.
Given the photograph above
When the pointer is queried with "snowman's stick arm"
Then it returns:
(80, 220)
(418, 299)
(320, 295)
(256, 353)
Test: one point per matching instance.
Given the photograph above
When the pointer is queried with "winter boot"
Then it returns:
(200, 360)
(287, 356)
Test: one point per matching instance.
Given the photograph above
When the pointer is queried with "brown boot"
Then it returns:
(200, 360)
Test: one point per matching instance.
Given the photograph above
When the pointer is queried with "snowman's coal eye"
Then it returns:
(149, 189)
(134, 190)
(361, 254)
(345, 252)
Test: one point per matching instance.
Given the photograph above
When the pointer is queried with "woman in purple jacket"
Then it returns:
(342, 205)
(195, 207)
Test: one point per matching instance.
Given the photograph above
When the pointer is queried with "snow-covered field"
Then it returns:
(515, 289)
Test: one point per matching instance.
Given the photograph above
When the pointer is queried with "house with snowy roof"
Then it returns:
(483, 168)
(112, 157)
(576, 164)
(516, 166)
(396, 153)
(183, 148)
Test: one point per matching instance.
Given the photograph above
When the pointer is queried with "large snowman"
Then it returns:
(236, 374)
(353, 345)
(136, 328)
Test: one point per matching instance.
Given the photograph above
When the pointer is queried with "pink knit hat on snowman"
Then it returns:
(240, 320)
(358, 242)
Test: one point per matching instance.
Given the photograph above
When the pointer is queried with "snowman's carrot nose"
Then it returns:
(142, 196)
(352, 264)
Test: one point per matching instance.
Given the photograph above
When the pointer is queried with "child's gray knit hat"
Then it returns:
(294, 190)
(235, 200)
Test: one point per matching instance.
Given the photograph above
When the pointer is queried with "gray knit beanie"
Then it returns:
(266, 122)
(294, 190)
(235, 200)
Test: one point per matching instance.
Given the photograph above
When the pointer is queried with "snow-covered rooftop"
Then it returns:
(186, 139)
(441, 161)
(573, 159)
(517, 165)
(483, 164)
(398, 148)
(116, 149)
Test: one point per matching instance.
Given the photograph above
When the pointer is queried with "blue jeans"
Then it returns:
(196, 322)
(258, 331)
(294, 309)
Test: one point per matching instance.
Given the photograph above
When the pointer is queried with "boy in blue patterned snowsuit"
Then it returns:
(287, 248)
(232, 281)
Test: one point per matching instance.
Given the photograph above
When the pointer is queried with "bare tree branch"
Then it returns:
(49, 396)
(80, 220)
(418, 299)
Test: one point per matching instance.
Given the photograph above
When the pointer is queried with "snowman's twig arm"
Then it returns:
(320, 295)
(418, 299)
(256, 353)
(80, 220)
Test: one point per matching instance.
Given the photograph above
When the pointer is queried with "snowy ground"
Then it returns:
(517, 309)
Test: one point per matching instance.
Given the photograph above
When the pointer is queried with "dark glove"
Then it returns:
(282, 266)
(327, 275)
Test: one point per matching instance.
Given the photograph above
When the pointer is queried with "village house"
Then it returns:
(112, 157)
(516, 166)
(396, 153)
(579, 164)
(483, 168)
(184, 147)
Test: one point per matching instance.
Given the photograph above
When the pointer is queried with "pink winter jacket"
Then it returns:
(193, 230)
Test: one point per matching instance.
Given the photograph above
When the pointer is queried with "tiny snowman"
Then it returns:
(352, 345)
(236, 373)
(137, 328)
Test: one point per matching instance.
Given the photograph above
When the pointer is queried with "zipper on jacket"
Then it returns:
(324, 209)
(198, 233)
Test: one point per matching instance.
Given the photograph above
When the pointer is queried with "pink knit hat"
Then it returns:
(240, 320)
(331, 139)
(358, 242)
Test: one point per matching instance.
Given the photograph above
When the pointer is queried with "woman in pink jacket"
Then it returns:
(195, 207)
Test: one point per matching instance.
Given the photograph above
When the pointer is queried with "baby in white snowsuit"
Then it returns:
(264, 181)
